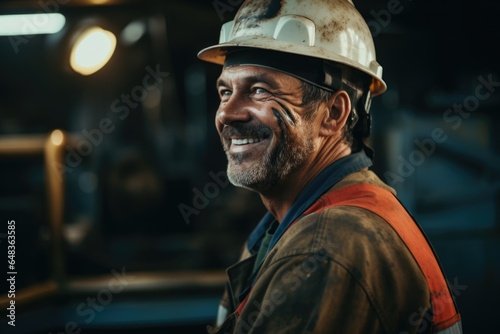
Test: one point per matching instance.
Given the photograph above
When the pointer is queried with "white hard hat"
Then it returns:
(332, 30)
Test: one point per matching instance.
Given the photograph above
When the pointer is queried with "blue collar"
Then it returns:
(311, 193)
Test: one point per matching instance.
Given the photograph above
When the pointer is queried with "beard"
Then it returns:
(275, 164)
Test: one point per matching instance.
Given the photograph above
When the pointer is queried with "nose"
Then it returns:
(233, 110)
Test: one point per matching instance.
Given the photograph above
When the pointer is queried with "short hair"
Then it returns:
(312, 97)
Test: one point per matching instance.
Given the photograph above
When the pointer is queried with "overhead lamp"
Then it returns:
(92, 50)
(31, 24)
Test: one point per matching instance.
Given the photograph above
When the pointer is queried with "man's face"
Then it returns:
(262, 126)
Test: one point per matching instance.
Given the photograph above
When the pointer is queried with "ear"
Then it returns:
(335, 117)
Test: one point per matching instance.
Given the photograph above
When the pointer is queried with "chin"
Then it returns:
(255, 179)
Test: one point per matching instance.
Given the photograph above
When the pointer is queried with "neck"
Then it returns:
(280, 199)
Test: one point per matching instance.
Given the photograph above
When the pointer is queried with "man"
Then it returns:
(337, 253)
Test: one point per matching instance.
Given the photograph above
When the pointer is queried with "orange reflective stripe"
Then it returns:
(384, 204)
(242, 304)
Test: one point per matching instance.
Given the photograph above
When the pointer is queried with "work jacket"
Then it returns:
(336, 269)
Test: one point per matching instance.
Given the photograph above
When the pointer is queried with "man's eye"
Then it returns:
(225, 93)
(259, 90)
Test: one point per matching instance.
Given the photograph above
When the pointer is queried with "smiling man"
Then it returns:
(336, 252)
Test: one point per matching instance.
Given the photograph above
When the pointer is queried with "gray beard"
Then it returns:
(272, 168)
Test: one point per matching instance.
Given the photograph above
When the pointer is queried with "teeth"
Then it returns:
(245, 141)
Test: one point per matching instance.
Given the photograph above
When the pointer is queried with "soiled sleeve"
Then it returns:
(308, 294)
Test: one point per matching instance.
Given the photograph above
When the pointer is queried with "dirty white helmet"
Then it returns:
(332, 30)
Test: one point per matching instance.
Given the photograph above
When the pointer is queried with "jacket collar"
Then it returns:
(314, 190)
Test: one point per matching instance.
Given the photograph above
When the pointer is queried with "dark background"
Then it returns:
(121, 202)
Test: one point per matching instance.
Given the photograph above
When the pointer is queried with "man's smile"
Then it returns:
(245, 141)
(238, 138)
(247, 145)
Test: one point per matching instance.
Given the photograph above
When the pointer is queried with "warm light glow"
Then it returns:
(57, 137)
(92, 50)
(31, 24)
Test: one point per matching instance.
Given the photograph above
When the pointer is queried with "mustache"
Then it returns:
(245, 130)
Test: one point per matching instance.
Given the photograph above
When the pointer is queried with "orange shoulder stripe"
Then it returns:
(384, 204)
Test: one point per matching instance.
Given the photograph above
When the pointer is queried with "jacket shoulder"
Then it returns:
(369, 251)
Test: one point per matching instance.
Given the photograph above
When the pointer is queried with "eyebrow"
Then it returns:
(250, 80)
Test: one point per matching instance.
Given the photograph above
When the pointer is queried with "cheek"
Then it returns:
(219, 125)
(262, 114)
(263, 111)
(304, 133)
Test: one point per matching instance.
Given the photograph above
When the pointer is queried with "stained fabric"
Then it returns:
(342, 270)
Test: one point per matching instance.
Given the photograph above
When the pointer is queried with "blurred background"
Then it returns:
(112, 170)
